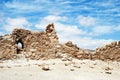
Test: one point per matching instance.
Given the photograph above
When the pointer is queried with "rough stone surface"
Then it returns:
(8, 49)
(45, 45)
(109, 52)
(37, 45)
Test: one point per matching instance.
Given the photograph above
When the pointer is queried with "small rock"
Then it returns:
(53, 64)
(38, 65)
(8, 67)
(108, 68)
(91, 67)
(95, 64)
(72, 69)
(66, 64)
(45, 68)
(76, 66)
(69, 59)
(64, 59)
(108, 72)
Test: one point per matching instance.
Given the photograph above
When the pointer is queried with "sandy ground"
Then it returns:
(59, 70)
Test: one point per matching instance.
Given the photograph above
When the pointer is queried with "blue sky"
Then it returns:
(88, 23)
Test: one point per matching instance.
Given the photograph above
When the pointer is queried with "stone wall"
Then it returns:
(8, 48)
(74, 51)
(109, 52)
(37, 45)
(50, 31)
(45, 45)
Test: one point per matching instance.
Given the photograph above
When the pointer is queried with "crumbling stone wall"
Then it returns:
(50, 31)
(8, 48)
(45, 45)
(73, 50)
(68, 48)
(37, 45)
(109, 52)
(20, 35)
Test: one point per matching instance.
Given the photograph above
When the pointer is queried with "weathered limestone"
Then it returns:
(73, 51)
(37, 45)
(8, 49)
(109, 52)
(45, 45)
(50, 31)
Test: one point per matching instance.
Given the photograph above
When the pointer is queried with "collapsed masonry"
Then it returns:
(109, 52)
(45, 45)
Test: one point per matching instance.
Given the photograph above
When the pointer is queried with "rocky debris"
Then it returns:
(108, 72)
(76, 66)
(108, 68)
(69, 63)
(45, 45)
(70, 59)
(8, 49)
(109, 52)
(70, 44)
(63, 56)
(72, 69)
(66, 64)
(70, 49)
(64, 59)
(45, 68)
(91, 67)
(50, 30)
(74, 51)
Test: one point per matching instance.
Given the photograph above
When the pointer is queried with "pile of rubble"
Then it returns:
(109, 52)
(8, 49)
(45, 45)
(74, 51)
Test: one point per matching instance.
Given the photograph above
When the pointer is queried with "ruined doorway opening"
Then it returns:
(19, 46)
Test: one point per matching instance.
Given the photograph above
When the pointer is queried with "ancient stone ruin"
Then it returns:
(45, 45)
(109, 52)
(8, 49)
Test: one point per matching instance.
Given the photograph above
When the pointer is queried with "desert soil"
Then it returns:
(23, 69)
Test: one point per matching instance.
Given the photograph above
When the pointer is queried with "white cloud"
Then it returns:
(103, 30)
(12, 23)
(23, 6)
(54, 18)
(49, 19)
(100, 30)
(86, 21)
(117, 28)
(67, 32)
(90, 43)
(1, 33)
(63, 30)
